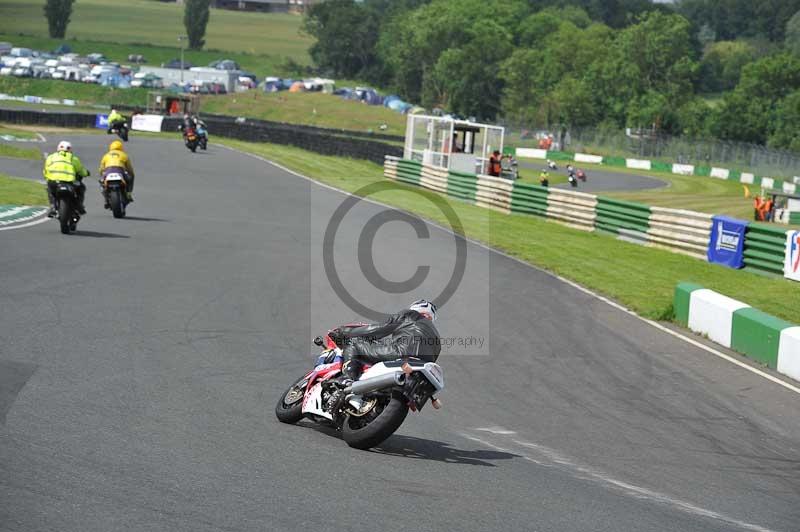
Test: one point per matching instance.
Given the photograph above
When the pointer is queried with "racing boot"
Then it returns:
(336, 401)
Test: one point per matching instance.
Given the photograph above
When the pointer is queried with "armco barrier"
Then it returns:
(576, 209)
(494, 193)
(462, 186)
(764, 338)
(683, 231)
(615, 215)
(529, 199)
(764, 249)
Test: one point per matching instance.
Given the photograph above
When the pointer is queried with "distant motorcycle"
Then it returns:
(581, 175)
(121, 129)
(551, 165)
(191, 139)
(115, 193)
(572, 180)
(66, 196)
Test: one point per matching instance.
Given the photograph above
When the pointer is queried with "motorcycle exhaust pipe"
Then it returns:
(377, 383)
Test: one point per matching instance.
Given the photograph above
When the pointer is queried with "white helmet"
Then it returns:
(64, 145)
(424, 307)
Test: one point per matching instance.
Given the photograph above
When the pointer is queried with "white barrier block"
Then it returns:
(789, 188)
(720, 173)
(747, 178)
(147, 122)
(791, 262)
(711, 313)
(586, 158)
(796, 180)
(683, 169)
(789, 353)
(767, 182)
(638, 164)
(531, 153)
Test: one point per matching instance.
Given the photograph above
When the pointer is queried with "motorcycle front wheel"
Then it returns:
(290, 406)
(372, 428)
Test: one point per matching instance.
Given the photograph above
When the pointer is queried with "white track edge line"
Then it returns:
(35, 222)
(585, 290)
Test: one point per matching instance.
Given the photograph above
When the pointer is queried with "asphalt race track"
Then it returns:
(141, 360)
(596, 180)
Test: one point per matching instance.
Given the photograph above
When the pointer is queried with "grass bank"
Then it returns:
(83, 93)
(17, 133)
(262, 65)
(640, 278)
(16, 191)
(159, 23)
(316, 109)
(19, 152)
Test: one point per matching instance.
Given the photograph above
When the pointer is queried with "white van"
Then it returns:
(21, 52)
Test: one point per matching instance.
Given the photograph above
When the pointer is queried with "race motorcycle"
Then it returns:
(191, 139)
(66, 196)
(375, 405)
(581, 175)
(572, 180)
(115, 193)
(202, 136)
(121, 130)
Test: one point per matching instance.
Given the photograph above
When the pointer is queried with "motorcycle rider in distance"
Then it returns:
(116, 160)
(115, 119)
(63, 165)
(409, 333)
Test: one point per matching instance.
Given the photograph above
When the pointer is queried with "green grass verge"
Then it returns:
(159, 23)
(316, 109)
(17, 133)
(10, 150)
(16, 191)
(640, 278)
(84, 93)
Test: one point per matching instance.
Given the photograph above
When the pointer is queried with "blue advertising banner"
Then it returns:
(726, 246)
(101, 122)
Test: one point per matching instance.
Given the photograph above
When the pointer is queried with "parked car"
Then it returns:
(224, 64)
(176, 63)
(6, 70)
(5, 48)
(147, 81)
(96, 58)
(22, 72)
(21, 52)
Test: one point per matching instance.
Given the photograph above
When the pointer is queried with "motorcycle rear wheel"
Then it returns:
(364, 433)
(65, 216)
(117, 207)
(291, 412)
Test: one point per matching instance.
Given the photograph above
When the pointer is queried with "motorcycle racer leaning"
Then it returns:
(409, 333)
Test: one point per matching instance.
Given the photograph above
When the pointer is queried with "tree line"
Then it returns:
(706, 68)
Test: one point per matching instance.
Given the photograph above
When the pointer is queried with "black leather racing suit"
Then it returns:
(406, 334)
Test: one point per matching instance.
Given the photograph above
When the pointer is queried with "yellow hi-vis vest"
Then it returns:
(60, 166)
